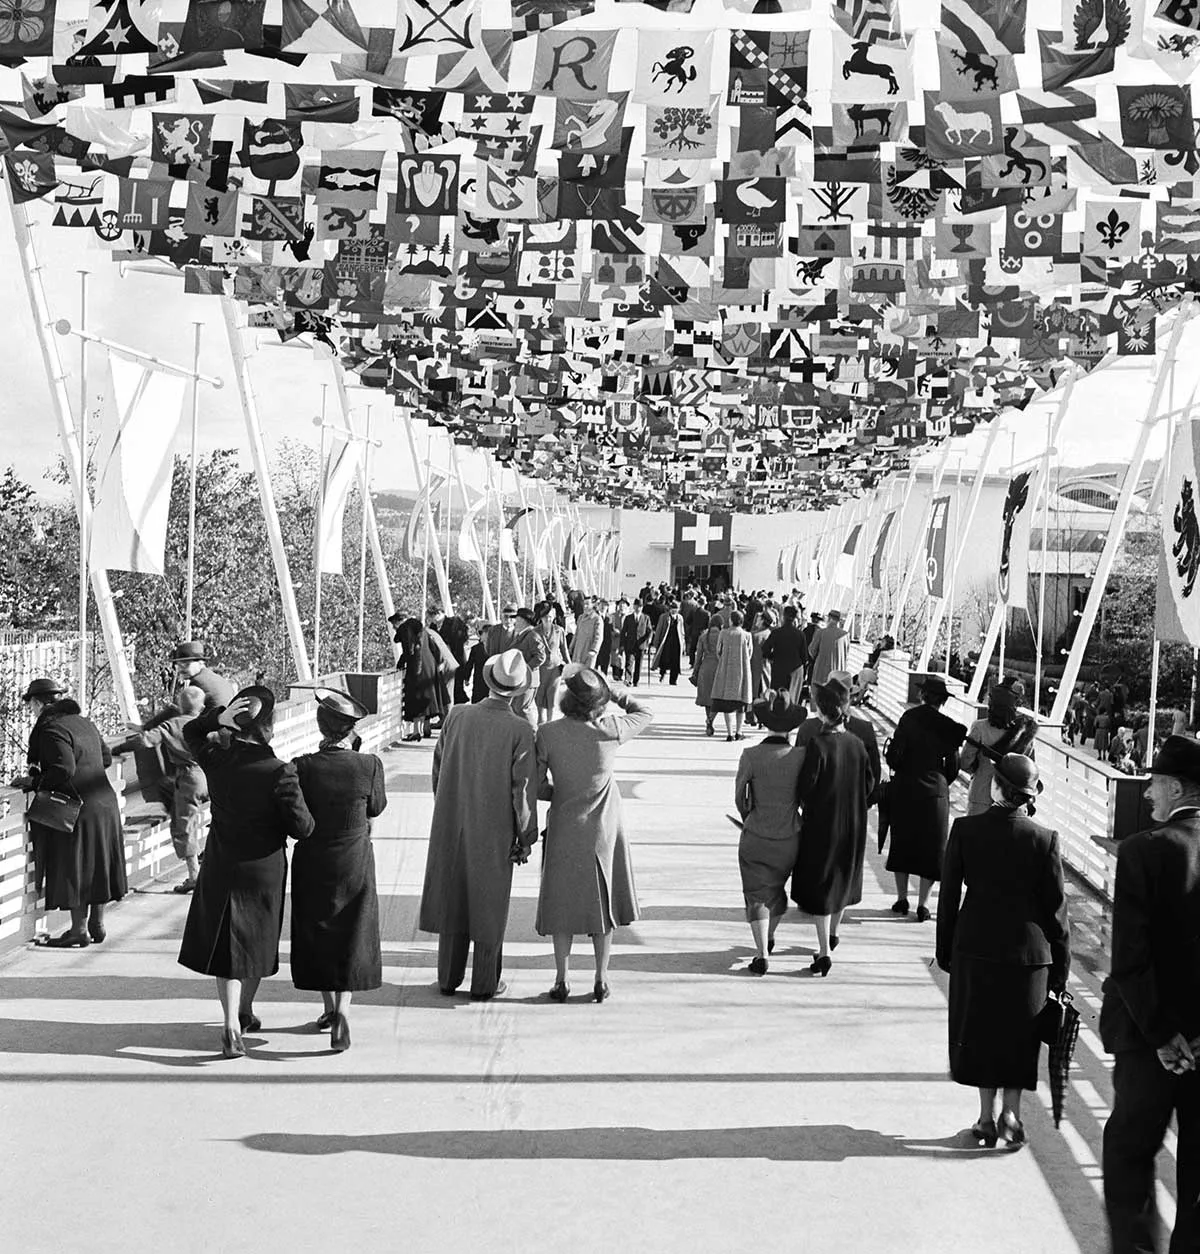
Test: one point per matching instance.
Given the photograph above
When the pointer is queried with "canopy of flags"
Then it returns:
(657, 265)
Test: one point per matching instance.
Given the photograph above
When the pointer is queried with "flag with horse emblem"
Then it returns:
(1177, 612)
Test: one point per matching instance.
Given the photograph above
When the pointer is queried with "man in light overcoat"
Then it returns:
(484, 816)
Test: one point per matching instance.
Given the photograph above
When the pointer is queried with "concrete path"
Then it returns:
(700, 1109)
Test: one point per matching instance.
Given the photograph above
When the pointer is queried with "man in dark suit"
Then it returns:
(1150, 1019)
(785, 648)
(635, 631)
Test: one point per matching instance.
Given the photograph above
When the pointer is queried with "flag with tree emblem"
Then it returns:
(1177, 612)
(702, 539)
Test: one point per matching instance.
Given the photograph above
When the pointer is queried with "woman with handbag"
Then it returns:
(765, 796)
(74, 818)
(1006, 946)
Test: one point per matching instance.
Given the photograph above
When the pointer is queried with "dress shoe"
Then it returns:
(447, 992)
(325, 1022)
(1011, 1129)
(339, 1037)
(249, 1021)
(68, 940)
(231, 1044)
(97, 933)
(821, 965)
(983, 1133)
(186, 887)
(601, 991)
(560, 992)
(899, 907)
(501, 988)
(758, 966)
(923, 915)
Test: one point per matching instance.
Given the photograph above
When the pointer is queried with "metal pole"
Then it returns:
(60, 399)
(949, 602)
(1155, 649)
(1116, 530)
(85, 508)
(362, 543)
(320, 521)
(1039, 643)
(190, 584)
(258, 454)
(429, 529)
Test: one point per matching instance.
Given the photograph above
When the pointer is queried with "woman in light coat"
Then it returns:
(732, 691)
(587, 878)
(704, 672)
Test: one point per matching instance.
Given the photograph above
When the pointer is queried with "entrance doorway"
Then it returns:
(716, 579)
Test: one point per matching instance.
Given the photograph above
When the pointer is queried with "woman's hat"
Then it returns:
(43, 689)
(506, 674)
(777, 712)
(1020, 774)
(1178, 756)
(335, 701)
(834, 689)
(935, 686)
(190, 651)
(586, 685)
(261, 708)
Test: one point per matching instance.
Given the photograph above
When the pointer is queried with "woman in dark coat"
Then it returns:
(422, 692)
(82, 870)
(335, 910)
(1005, 948)
(236, 915)
(834, 790)
(923, 756)
(765, 796)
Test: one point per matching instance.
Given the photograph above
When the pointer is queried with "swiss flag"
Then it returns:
(702, 539)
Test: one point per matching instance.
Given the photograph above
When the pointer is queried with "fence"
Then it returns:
(148, 849)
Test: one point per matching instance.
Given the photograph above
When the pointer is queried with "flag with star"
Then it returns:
(113, 32)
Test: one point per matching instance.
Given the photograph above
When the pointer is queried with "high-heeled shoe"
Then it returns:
(1011, 1129)
(249, 1021)
(758, 965)
(560, 992)
(231, 1044)
(68, 940)
(770, 944)
(923, 915)
(600, 991)
(821, 965)
(339, 1038)
(325, 1022)
(900, 906)
(984, 1133)
(97, 932)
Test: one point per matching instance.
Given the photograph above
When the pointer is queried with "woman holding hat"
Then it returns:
(923, 756)
(834, 790)
(587, 877)
(335, 909)
(1005, 946)
(236, 914)
(1005, 730)
(84, 869)
(765, 796)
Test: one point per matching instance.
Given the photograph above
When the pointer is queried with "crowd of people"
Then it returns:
(534, 708)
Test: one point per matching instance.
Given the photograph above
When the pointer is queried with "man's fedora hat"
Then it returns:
(586, 685)
(43, 689)
(1178, 756)
(935, 686)
(506, 674)
(190, 651)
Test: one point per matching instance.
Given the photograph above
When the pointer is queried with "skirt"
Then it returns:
(85, 867)
(765, 866)
(993, 1023)
(723, 705)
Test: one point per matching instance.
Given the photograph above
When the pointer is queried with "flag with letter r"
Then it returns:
(702, 539)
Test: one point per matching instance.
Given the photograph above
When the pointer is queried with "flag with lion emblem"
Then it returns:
(1177, 615)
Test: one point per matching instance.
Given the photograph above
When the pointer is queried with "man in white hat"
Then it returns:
(484, 819)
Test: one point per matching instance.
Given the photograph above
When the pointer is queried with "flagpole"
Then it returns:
(499, 528)
(450, 496)
(85, 508)
(961, 535)
(911, 573)
(190, 585)
(362, 542)
(316, 662)
(1039, 643)
(429, 527)
(1157, 644)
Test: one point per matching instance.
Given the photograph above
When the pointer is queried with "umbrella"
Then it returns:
(1062, 1048)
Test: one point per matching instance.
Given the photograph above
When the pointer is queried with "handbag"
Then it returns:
(1052, 1016)
(59, 811)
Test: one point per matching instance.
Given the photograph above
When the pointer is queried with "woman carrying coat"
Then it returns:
(834, 791)
(335, 909)
(1006, 946)
(557, 656)
(765, 795)
(1005, 730)
(84, 869)
(236, 914)
(923, 756)
(704, 672)
(587, 877)
(732, 691)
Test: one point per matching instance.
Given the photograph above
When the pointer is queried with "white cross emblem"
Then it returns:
(701, 533)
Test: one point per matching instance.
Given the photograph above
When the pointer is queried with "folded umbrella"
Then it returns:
(1061, 1038)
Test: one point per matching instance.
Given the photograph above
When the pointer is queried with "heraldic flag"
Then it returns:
(1177, 615)
(702, 539)
(1012, 574)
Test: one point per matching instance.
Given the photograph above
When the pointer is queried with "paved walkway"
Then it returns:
(701, 1109)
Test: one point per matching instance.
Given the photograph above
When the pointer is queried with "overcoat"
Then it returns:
(787, 651)
(236, 912)
(86, 866)
(485, 797)
(587, 877)
(834, 785)
(670, 648)
(732, 681)
(830, 651)
(864, 729)
(423, 694)
(589, 634)
(979, 765)
(706, 665)
(923, 756)
(335, 909)
(757, 662)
